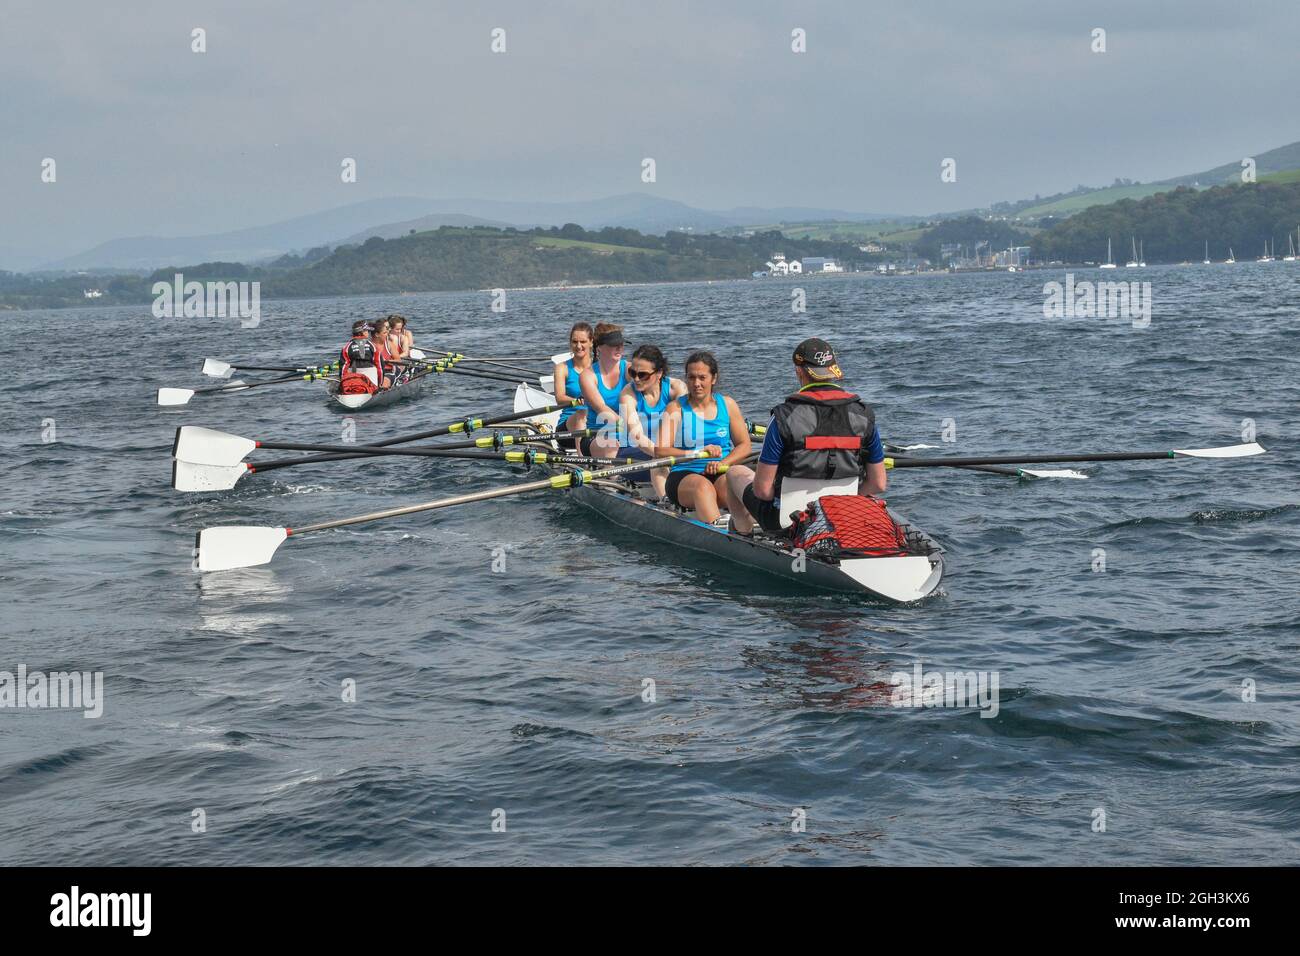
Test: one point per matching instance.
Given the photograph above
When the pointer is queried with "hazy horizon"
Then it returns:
(153, 139)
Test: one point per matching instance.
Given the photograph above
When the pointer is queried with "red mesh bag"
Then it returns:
(354, 383)
(848, 526)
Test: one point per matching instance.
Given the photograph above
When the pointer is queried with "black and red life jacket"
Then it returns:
(824, 431)
(360, 353)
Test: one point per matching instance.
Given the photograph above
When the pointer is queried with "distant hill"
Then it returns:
(451, 258)
(244, 245)
(395, 230)
(1174, 226)
(393, 217)
(1274, 165)
(458, 259)
(1273, 161)
(1098, 197)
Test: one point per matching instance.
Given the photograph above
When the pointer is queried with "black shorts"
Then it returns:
(766, 513)
(675, 479)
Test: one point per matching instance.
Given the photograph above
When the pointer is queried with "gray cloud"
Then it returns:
(153, 139)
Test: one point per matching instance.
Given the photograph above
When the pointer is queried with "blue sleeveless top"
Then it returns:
(651, 415)
(696, 432)
(610, 395)
(572, 389)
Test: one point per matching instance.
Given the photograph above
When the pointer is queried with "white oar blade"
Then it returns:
(175, 396)
(207, 446)
(217, 369)
(417, 354)
(187, 476)
(1054, 473)
(548, 384)
(1226, 451)
(224, 549)
(559, 357)
(527, 397)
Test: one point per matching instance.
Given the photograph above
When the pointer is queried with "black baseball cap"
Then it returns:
(817, 358)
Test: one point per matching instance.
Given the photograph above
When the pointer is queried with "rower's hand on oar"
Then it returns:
(711, 467)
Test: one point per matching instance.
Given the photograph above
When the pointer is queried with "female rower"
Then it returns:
(568, 376)
(400, 339)
(379, 338)
(702, 418)
(601, 385)
(642, 404)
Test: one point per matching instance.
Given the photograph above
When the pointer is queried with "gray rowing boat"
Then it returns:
(896, 578)
(408, 388)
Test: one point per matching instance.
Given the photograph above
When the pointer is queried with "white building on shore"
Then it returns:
(778, 266)
(821, 264)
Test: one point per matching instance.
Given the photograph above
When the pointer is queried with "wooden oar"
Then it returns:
(226, 548)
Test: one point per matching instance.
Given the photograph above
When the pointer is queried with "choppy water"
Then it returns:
(522, 691)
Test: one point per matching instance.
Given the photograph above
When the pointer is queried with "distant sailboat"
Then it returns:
(1290, 245)
(1133, 263)
(1110, 261)
(1231, 259)
(1142, 255)
(1265, 257)
(1206, 260)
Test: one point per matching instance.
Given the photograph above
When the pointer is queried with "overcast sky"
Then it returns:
(151, 138)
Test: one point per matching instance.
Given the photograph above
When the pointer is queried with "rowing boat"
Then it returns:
(901, 579)
(407, 388)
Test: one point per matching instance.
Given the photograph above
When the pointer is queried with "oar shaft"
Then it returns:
(245, 386)
(566, 480)
(466, 426)
(1027, 459)
(491, 361)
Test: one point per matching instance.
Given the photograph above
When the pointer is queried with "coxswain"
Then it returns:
(819, 432)
(568, 376)
(360, 362)
(703, 418)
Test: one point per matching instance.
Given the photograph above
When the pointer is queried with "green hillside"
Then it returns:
(1175, 225)
(1072, 204)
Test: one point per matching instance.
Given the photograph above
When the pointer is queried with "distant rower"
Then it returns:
(704, 419)
(820, 433)
(400, 339)
(362, 365)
